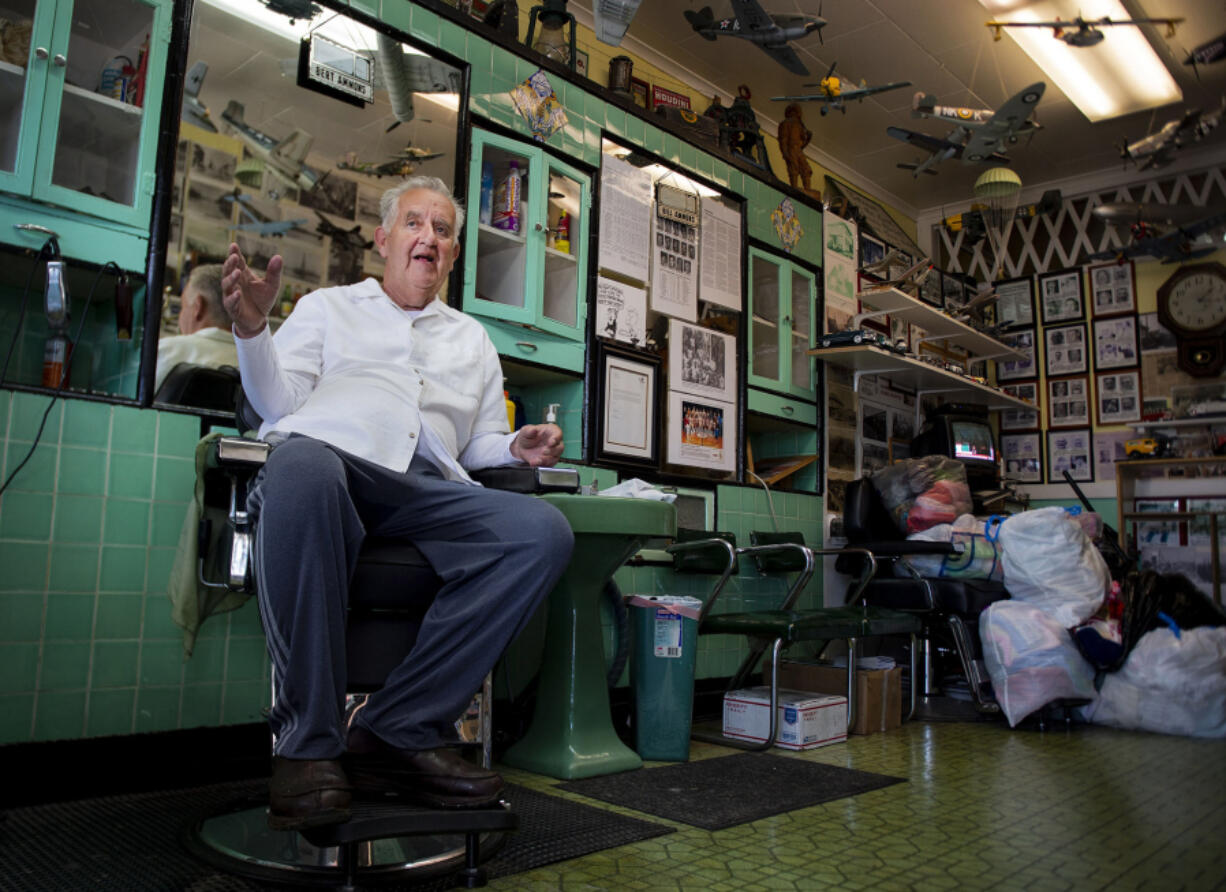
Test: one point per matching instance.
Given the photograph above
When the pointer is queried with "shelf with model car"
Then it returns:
(926, 377)
(938, 324)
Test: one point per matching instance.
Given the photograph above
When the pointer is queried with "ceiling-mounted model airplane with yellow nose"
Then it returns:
(834, 92)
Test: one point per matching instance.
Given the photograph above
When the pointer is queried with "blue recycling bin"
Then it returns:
(664, 642)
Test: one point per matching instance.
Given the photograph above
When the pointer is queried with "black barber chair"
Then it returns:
(205, 387)
(952, 659)
(392, 588)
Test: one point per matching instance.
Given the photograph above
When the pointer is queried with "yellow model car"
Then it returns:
(1147, 447)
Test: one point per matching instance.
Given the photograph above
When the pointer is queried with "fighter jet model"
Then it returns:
(194, 111)
(771, 32)
(285, 158)
(255, 220)
(1082, 32)
(834, 92)
(1165, 232)
(988, 130)
(402, 164)
(908, 283)
(351, 238)
(1158, 149)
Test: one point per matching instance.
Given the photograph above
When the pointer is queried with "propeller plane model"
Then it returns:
(1158, 149)
(402, 164)
(1170, 233)
(286, 158)
(750, 22)
(1081, 32)
(989, 130)
(834, 92)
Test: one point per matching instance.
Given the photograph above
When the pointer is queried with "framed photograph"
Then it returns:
(1153, 335)
(1060, 296)
(872, 250)
(1070, 451)
(953, 290)
(1113, 288)
(1065, 350)
(1118, 397)
(640, 92)
(1027, 365)
(930, 289)
(1021, 419)
(1015, 303)
(1068, 402)
(701, 361)
(1023, 457)
(581, 63)
(701, 432)
(628, 406)
(1115, 343)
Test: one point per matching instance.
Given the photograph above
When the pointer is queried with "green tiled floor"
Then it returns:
(984, 808)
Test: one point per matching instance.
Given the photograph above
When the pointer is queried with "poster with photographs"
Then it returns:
(1109, 449)
(930, 289)
(1015, 303)
(1119, 397)
(1024, 367)
(1070, 451)
(1153, 335)
(1021, 419)
(1115, 342)
(701, 432)
(953, 290)
(1060, 296)
(872, 250)
(1065, 350)
(839, 270)
(1023, 457)
(1068, 402)
(674, 274)
(621, 311)
(1113, 288)
(701, 361)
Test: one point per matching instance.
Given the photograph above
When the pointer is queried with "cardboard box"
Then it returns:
(805, 720)
(878, 691)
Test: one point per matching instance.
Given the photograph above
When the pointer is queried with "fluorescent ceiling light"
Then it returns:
(1119, 76)
(329, 23)
(613, 18)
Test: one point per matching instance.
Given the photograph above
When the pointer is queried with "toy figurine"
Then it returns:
(793, 137)
(740, 132)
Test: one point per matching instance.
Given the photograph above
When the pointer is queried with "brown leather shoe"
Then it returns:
(440, 777)
(306, 793)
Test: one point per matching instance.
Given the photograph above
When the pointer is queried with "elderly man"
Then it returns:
(205, 326)
(379, 398)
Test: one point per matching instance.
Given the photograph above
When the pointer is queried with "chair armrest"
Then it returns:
(726, 573)
(240, 452)
(904, 547)
(802, 578)
(525, 479)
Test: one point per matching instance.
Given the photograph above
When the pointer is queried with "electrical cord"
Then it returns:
(59, 390)
(51, 254)
(769, 501)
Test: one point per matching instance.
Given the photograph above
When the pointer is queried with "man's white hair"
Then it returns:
(391, 199)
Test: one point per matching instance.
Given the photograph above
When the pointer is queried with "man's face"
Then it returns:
(420, 247)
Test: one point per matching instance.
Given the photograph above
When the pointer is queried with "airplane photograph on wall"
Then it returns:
(833, 92)
(749, 21)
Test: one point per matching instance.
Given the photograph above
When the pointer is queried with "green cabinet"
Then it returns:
(526, 274)
(79, 120)
(782, 327)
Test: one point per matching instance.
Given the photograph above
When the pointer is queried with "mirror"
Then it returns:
(291, 131)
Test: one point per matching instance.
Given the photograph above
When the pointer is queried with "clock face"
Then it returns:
(1197, 302)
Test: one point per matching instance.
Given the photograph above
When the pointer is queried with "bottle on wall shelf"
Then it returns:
(506, 200)
(562, 241)
(486, 213)
(506, 396)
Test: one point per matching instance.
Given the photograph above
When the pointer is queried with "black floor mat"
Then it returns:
(729, 790)
(131, 843)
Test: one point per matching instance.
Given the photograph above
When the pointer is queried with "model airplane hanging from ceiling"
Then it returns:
(833, 93)
(285, 158)
(402, 164)
(908, 281)
(255, 220)
(1158, 149)
(194, 111)
(1165, 232)
(1081, 32)
(1207, 53)
(771, 32)
(294, 9)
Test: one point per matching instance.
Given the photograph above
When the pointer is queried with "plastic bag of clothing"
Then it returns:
(978, 554)
(1050, 562)
(1031, 659)
(920, 493)
(1172, 683)
(1146, 595)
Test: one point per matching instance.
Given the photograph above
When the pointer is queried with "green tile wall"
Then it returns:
(88, 530)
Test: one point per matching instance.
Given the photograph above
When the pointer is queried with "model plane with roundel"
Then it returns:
(751, 22)
(255, 220)
(1080, 32)
(1158, 149)
(833, 92)
(990, 130)
(402, 164)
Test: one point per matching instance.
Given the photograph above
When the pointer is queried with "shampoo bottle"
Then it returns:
(506, 200)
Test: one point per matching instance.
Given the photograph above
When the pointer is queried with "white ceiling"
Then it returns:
(943, 48)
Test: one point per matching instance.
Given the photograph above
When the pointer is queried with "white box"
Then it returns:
(805, 720)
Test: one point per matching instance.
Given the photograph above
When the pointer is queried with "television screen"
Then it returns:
(972, 440)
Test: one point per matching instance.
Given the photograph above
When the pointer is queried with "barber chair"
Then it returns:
(776, 629)
(392, 588)
(949, 609)
(201, 386)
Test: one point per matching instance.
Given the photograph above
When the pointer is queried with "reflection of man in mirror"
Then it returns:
(379, 400)
(205, 327)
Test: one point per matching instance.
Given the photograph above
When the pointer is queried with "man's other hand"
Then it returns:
(248, 300)
(539, 445)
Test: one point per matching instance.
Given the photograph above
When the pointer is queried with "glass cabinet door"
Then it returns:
(496, 269)
(27, 29)
(801, 332)
(564, 275)
(764, 337)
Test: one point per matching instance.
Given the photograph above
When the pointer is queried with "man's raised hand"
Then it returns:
(248, 300)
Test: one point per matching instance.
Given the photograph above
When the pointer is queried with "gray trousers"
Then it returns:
(498, 554)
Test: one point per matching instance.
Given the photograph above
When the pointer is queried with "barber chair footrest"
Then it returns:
(383, 820)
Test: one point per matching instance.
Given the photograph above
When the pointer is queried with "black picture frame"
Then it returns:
(1064, 447)
(1116, 343)
(1018, 419)
(1068, 402)
(1062, 296)
(1022, 456)
(1023, 340)
(930, 289)
(953, 290)
(1015, 306)
(872, 250)
(1117, 397)
(1113, 288)
(1066, 350)
(627, 381)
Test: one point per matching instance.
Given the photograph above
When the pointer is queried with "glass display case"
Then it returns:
(782, 303)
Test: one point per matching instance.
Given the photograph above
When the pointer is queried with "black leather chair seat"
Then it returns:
(966, 597)
(827, 624)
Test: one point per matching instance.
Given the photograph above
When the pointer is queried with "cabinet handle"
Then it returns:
(540, 227)
(60, 60)
(34, 227)
(527, 345)
(40, 52)
(788, 410)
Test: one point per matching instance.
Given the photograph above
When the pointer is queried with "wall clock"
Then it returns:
(1192, 304)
